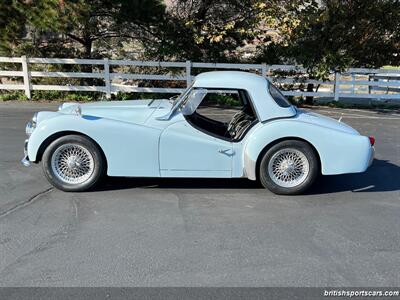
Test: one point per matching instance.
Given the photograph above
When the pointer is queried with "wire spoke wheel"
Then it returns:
(72, 163)
(288, 167)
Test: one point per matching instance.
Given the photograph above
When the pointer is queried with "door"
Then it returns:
(188, 152)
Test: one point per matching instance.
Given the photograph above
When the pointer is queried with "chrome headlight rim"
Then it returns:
(29, 128)
(31, 125)
(34, 119)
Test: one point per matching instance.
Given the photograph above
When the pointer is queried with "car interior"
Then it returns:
(226, 114)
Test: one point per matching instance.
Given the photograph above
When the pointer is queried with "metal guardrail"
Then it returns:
(363, 83)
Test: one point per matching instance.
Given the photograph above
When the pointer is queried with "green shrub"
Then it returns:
(10, 96)
(141, 96)
(74, 97)
(224, 99)
(66, 96)
(47, 95)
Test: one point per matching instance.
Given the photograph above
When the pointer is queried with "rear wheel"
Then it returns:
(73, 163)
(289, 167)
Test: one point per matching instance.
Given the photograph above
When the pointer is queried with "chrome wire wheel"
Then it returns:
(288, 167)
(72, 163)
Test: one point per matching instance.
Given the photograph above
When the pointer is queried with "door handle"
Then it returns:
(226, 152)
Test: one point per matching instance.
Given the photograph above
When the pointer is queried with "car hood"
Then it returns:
(320, 120)
(132, 111)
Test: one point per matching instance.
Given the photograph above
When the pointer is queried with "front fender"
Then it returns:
(130, 149)
(339, 152)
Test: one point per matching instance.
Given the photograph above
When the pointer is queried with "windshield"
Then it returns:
(177, 98)
(176, 102)
(192, 101)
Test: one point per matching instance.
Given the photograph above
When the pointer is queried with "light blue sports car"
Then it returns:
(225, 125)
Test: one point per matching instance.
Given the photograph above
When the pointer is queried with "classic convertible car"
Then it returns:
(225, 125)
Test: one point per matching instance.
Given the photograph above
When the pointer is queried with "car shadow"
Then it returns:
(382, 176)
(118, 183)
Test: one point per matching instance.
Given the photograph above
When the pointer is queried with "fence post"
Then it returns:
(369, 86)
(353, 88)
(337, 86)
(188, 73)
(107, 78)
(264, 70)
(27, 79)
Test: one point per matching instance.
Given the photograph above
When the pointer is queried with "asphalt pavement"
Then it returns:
(180, 232)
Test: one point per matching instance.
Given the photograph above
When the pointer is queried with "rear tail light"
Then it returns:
(372, 140)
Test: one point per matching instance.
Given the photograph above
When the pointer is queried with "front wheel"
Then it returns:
(73, 163)
(289, 167)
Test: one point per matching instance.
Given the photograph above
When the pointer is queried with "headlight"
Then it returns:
(60, 107)
(30, 127)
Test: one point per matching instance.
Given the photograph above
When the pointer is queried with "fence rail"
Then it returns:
(353, 83)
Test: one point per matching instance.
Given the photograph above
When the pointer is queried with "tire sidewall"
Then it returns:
(301, 146)
(98, 171)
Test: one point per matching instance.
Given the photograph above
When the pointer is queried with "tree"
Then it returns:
(11, 26)
(337, 34)
(332, 35)
(81, 24)
(204, 30)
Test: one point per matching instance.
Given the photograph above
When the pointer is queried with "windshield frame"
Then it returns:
(177, 102)
(183, 95)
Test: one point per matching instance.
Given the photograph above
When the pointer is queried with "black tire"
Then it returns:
(97, 173)
(305, 183)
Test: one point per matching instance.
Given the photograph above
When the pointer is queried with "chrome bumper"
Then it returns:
(371, 159)
(25, 161)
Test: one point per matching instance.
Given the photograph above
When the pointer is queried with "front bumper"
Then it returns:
(25, 160)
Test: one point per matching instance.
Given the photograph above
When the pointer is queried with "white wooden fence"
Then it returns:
(354, 83)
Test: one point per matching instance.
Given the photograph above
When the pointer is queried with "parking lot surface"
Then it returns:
(181, 232)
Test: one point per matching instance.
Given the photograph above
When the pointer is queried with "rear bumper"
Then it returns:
(25, 160)
(372, 156)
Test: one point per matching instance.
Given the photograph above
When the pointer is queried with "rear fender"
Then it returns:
(340, 152)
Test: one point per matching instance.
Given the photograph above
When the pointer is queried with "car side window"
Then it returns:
(277, 95)
(225, 113)
(220, 105)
